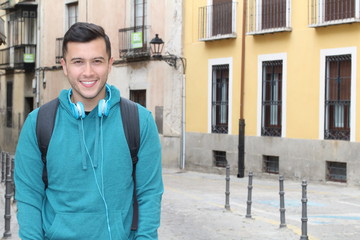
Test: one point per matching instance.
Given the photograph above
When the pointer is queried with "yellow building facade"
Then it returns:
(300, 101)
(211, 49)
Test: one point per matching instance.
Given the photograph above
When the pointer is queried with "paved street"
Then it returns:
(193, 208)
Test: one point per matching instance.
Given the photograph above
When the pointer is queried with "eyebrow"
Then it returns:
(79, 58)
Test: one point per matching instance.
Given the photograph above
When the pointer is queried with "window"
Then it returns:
(134, 40)
(268, 16)
(58, 49)
(328, 12)
(220, 159)
(337, 97)
(2, 31)
(273, 13)
(9, 104)
(222, 11)
(22, 27)
(271, 164)
(271, 98)
(72, 13)
(139, 13)
(220, 98)
(339, 9)
(138, 96)
(336, 171)
(217, 21)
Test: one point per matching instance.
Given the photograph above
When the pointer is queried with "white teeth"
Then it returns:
(87, 82)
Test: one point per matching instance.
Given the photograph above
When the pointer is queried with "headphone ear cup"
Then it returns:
(78, 110)
(103, 108)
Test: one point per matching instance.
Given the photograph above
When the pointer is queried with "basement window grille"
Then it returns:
(336, 171)
(220, 158)
(271, 164)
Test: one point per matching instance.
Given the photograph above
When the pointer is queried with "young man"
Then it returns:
(90, 186)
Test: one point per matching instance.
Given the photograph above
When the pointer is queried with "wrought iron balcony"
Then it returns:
(134, 43)
(268, 16)
(333, 12)
(18, 57)
(217, 21)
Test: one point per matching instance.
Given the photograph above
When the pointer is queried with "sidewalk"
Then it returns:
(193, 209)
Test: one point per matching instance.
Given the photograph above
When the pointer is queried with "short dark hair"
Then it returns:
(85, 32)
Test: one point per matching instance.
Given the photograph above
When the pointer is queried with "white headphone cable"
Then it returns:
(97, 183)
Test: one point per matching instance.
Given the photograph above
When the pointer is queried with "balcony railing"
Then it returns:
(18, 57)
(58, 49)
(217, 21)
(333, 12)
(134, 43)
(269, 17)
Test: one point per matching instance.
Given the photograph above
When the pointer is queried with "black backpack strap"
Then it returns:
(130, 119)
(44, 128)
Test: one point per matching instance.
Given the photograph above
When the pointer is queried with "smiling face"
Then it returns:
(87, 65)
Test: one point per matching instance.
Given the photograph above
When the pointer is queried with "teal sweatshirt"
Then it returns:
(90, 186)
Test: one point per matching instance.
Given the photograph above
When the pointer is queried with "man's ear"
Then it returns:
(111, 61)
(63, 64)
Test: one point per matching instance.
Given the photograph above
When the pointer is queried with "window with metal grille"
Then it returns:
(271, 98)
(271, 164)
(338, 97)
(9, 104)
(220, 98)
(219, 158)
(273, 14)
(336, 171)
(339, 9)
(72, 13)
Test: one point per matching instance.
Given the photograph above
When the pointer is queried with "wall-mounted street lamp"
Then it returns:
(156, 47)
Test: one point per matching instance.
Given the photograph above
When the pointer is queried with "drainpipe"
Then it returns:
(241, 146)
(37, 63)
(183, 140)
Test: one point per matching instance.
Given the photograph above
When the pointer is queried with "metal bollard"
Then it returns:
(248, 208)
(304, 218)
(3, 166)
(8, 195)
(227, 190)
(282, 202)
(12, 177)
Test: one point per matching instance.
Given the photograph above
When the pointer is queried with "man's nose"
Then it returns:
(88, 69)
